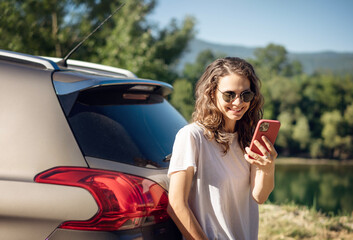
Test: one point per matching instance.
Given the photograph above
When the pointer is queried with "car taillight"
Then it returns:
(124, 201)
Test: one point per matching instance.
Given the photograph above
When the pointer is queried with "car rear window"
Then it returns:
(136, 128)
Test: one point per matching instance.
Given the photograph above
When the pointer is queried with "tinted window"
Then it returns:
(133, 128)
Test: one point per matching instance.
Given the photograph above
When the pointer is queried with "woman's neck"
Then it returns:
(230, 127)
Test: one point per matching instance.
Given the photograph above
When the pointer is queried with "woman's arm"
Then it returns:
(178, 208)
(262, 170)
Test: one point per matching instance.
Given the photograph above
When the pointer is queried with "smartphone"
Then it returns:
(265, 127)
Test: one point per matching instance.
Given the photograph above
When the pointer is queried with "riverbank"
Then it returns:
(294, 160)
(295, 222)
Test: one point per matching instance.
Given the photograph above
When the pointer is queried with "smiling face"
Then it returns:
(235, 109)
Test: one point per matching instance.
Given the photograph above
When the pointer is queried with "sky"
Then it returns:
(298, 25)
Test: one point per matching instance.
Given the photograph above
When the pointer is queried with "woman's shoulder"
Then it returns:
(194, 129)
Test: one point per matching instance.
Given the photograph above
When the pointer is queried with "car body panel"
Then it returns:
(36, 213)
(30, 116)
(160, 231)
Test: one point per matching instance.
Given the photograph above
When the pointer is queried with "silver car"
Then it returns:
(84, 151)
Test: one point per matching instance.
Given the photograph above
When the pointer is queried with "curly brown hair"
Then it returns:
(210, 117)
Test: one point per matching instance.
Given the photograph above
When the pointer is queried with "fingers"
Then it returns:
(262, 149)
(270, 147)
(267, 156)
(257, 159)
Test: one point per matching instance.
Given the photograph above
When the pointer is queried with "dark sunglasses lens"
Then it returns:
(247, 96)
(228, 96)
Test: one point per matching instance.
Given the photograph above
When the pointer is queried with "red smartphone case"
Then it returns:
(265, 127)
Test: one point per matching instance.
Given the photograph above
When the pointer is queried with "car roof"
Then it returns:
(94, 68)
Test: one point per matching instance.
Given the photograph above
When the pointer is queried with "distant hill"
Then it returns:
(336, 62)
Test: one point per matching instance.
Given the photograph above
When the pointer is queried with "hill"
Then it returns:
(336, 62)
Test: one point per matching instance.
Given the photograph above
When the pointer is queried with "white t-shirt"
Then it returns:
(220, 195)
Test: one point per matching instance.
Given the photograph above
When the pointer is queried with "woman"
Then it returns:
(216, 182)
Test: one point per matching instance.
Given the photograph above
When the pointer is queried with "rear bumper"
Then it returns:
(160, 231)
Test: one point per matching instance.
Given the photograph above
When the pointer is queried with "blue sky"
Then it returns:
(298, 25)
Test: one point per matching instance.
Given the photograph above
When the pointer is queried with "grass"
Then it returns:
(290, 221)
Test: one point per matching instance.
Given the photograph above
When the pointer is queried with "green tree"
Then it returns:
(128, 40)
(348, 115)
(317, 148)
(281, 94)
(333, 140)
(301, 132)
(272, 60)
(193, 71)
(136, 45)
(284, 138)
(182, 97)
(35, 27)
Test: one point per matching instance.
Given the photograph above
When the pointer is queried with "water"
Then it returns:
(325, 187)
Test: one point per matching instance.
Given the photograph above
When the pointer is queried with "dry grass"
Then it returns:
(294, 222)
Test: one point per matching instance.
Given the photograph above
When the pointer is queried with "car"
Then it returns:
(85, 151)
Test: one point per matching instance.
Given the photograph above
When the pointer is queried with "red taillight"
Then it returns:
(124, 201)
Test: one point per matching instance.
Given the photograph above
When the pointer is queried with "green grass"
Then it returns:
(290, 221)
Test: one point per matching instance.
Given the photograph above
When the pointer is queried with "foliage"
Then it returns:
(135, 45)
(128, 40)
(35, 27)
(182, 98)
(193, 71)
(273, 60)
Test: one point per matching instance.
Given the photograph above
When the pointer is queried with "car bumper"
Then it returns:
(166, 230)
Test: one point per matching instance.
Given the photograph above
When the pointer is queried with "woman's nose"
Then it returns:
(237, 100)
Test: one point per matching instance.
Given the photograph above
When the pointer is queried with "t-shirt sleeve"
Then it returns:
(185, 151)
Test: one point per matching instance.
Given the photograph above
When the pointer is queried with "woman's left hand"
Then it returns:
(266, 161)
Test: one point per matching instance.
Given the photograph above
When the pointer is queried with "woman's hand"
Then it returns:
(262, 170)
(178, 208)
(266, 161)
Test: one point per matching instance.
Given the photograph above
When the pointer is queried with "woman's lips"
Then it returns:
(236, 110)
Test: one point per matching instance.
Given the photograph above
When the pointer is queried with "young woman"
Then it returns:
(216, 182)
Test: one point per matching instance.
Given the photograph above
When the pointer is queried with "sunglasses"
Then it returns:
(245, 96)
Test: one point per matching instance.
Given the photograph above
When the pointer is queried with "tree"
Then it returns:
(128, 40)
(281, 94)
(136, 45)
(333, 140)
(272, 60)
(183, 95)
(348, 115)
(284, 138)
(35, 27)
(193, 71)
(182, 98)
(301, 132)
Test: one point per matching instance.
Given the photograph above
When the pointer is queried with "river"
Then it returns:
(327, 187)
